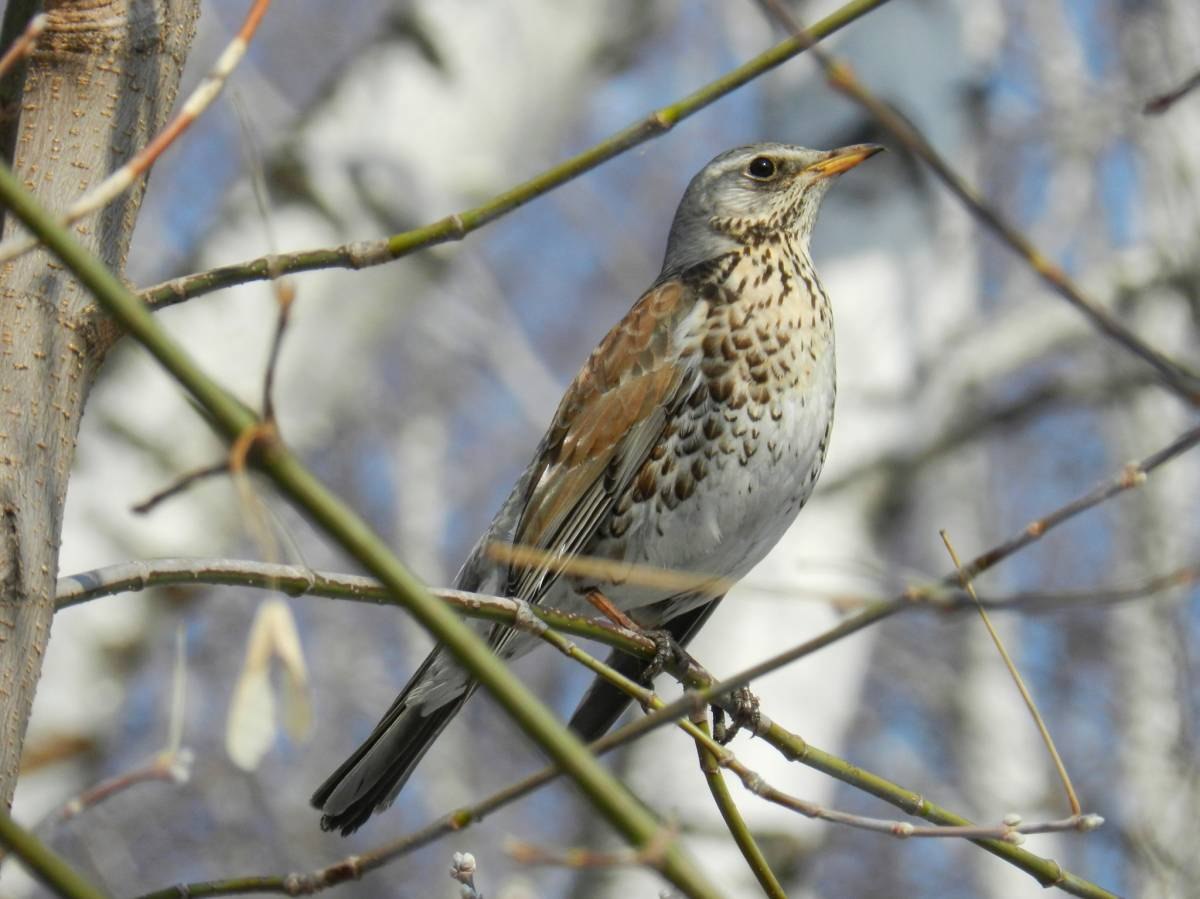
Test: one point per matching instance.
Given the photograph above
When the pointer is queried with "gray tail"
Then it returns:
(603, 704)
(378, 769)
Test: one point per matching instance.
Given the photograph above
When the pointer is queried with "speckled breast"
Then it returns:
(737, 463)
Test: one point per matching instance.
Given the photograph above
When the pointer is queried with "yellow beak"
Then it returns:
(843, 159)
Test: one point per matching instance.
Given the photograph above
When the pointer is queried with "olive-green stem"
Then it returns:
(43, 863)
(1046, 871)
(232, 420)
(459, 225)
(79, 588)
(734, 821)
(792, 746)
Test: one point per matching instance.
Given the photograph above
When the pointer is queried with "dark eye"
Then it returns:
(761, 167)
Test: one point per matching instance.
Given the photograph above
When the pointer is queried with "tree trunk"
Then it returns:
(102, 80)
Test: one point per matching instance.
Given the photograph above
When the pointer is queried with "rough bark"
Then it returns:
(101, 82)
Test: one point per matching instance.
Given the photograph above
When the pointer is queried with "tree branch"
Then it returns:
(1000, 840)
(42, 862)
(1181, 379)
(124, 177)
(362, 254)
(730, 814)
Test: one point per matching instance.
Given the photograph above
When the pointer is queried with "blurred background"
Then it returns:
(970, 399)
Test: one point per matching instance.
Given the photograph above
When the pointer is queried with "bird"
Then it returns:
(688, 441)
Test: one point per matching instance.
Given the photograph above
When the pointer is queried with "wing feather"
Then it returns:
(612, 416)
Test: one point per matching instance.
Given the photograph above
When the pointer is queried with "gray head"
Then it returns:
(747, 193)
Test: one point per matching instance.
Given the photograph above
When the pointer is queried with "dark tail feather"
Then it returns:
(374, 774)
(603, 704)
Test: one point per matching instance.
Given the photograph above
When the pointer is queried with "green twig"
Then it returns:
(733, 819)
(1047, 872)
(455, 227)
(790, 745)
(42, 862)
(234, 422)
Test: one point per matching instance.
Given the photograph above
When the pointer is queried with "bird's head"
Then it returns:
(745, 194)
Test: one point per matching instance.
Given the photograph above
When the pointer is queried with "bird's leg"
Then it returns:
(605, 607)
(668, 653)
(746, 713)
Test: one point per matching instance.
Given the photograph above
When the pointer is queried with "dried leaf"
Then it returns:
(252, 725)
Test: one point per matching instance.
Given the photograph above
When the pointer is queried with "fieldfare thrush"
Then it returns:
(688, 442)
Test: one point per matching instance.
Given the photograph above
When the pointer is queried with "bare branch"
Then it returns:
(1026, 696)
(362, 254)
(42, 862)
(1160, 104)
(182, 483)
(1175, 375)
(121, 180)
(734, 822)
(167, 767)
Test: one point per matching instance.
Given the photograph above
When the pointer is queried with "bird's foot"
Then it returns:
(746, 712)
(668, 654)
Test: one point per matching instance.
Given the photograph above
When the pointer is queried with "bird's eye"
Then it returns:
(762, 168)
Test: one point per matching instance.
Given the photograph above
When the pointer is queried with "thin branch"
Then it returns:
(355, 866)
(1048, 873)
(297, 580)
(284, 290)
(172, 765)
(23, 45)
(1009, 832)
(457, 226)
(1160, 104)
(1132, 475)
(179, 485)
(841, 78)
(1045, 601)
(1026, 696)
(1000, 840)
(166, 767)
(793, 747)
(732, 817)
(285, 294)
(124, 177)
(231, 419)
(42, 862)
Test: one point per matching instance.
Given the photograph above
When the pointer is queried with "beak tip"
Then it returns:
(845, 158)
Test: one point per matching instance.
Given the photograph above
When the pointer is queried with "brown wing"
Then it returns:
(611, 417)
